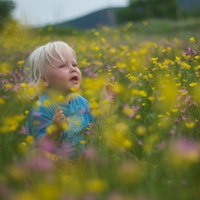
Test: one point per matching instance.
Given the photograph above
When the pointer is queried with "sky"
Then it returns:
(38, 13)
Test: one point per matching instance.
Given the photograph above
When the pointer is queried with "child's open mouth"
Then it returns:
(74, 79)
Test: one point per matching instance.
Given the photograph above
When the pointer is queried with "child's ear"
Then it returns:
(44, 82)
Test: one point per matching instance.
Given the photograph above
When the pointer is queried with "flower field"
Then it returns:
(147, 147)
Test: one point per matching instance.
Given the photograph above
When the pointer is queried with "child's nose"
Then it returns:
(72, 68)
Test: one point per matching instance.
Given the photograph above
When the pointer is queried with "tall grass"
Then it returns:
(147, 147)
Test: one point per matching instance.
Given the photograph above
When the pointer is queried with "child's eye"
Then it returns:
(62, 66)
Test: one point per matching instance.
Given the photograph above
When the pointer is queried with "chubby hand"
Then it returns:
(60, 119)
(109, 92)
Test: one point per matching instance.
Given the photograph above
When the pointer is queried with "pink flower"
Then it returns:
(189, 51)
(37, 114)
(140, 142)
(172, 131)
(24, 130)
(16, 87)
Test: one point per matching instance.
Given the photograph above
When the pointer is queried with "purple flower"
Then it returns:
(140, 142)
(189, 51)
(37, 114)
(24, 130)
(172, 131)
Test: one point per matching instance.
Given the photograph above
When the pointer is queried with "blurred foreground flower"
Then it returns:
(183, 152)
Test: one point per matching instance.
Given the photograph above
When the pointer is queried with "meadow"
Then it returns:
(146, 148)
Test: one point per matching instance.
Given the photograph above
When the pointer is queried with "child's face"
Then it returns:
(65, 75)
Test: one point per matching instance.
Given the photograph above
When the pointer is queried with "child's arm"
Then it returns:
(58, 120)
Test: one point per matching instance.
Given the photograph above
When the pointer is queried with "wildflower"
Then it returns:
(151, 98)
(177, 59)
(20, 62)
(189, 51)
(94, 105)
(2, 101)
(154, 60)
(31, 91)
(30, 139)
(190, 124)
(192, 39)
(138, 117)
(129, 172)
(51, 128)
(8, 86)
(193, 84)
(74, 89)
(127, 143)
(96, 185)
(128, 111)
(103, 39)
(60, 98)
(26, 112)
(4, 68)
(141, 130)
(184, 152)
(140, 142)
(145, 23)
(121, 127)
(47, 103)
(83, 142)
(24, 130)
(174, 110)
(24, 85)
(172, 131)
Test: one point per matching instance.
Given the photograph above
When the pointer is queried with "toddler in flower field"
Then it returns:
(60, 118)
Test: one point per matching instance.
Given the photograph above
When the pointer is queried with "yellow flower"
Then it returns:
(127, 143)
(151, 98)
(20, 62)
(47, 103)
(26, 112)
(2, 101)
(4, 68)
(96, 186)
(8, 86)
(31, 91)
(138, 117)
(60, 98)
(141, 130)
(94, 105)
(30, 139)
(83, 142)
(103, 39)
(192, 84)
(24, 85)
(190, 124)
(192, 39)
(74, 89)
(51, 128)
(154, 59)
(174, 110)
(150, 75)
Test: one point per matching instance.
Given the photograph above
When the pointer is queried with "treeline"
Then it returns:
(146, 9)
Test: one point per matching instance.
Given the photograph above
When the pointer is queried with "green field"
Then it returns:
(147, 148)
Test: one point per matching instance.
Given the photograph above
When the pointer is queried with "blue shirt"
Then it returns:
(79, 115)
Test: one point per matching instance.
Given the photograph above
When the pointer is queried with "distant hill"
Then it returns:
(104, 17)
(107, 17)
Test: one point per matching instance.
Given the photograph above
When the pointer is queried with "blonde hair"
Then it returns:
(43, 55)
